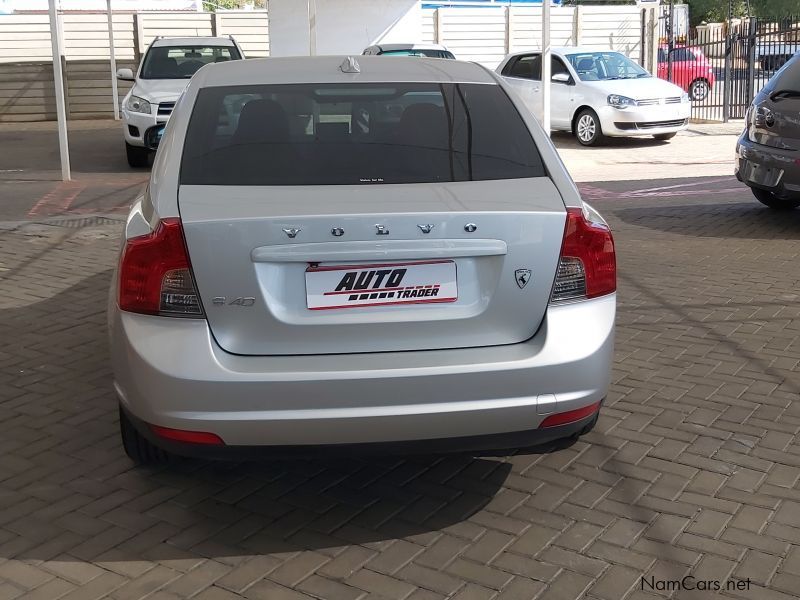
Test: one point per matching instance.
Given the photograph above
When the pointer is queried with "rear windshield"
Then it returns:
(419, 52)
(181, 62)
(311, 134)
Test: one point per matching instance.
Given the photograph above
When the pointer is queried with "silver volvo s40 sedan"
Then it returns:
(354, 252)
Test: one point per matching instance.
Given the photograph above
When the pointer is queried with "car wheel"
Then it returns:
(138, 449)
(699, 89)
(137, 157)
(663, 137)
(774, 201)
(587, 128)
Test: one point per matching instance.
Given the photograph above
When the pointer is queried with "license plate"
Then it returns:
(357, 286)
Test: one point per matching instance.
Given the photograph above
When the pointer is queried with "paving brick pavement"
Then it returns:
(693, 468)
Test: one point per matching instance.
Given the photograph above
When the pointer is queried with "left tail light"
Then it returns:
(155, 277)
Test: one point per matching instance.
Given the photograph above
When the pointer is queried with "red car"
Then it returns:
(691, 70)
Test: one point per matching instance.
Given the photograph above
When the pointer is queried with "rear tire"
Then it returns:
(699, 90)
(137, 157)
(663, 137)
(587, 128)
(138, 449)
(775, 202)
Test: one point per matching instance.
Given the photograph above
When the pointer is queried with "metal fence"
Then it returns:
(724, 66)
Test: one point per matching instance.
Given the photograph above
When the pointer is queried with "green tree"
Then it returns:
(717, 10)
(214, 5)
(775, 8)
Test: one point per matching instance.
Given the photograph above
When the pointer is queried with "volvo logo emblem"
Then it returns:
(381, 230)
(337, 232)
(425, 228)
(292, 233)
(523, 276)
(470, 227)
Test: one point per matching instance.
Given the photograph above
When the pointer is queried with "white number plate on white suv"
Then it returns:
(353, 286)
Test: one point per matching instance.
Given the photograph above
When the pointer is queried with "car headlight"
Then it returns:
(618, 101)
(136, 104)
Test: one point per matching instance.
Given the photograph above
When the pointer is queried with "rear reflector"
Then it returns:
(570, 416)
(155, 277)
(191, 437)
(587, 267)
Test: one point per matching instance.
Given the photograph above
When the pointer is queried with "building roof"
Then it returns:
(327, 69)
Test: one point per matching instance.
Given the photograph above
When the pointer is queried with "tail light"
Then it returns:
(571, 416)
(155, 276)
(587, 267)
(191, 437)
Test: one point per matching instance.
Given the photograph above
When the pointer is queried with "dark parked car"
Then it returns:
(768, 151)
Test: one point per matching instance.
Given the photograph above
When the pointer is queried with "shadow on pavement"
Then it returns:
(68, 492)
(95, 149)
(564, 139)
(715, 220)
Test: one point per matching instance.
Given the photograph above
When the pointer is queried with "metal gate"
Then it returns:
(723, 66)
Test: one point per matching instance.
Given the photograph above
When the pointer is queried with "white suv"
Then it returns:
(163, 74)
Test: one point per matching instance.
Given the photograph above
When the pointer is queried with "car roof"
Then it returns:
(193, 41)
(327, 69)
(409, 47)
(565, 50)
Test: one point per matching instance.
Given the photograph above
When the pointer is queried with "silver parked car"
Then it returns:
(354, 251)
(426, 50)
(768, 151)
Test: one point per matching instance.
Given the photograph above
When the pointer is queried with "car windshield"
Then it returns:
(327, 134)
(181, 62)
(429, 52)
(602, 66)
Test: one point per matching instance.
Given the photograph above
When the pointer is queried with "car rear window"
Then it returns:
(309, 134)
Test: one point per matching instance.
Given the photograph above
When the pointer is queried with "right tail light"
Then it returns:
(587, 267)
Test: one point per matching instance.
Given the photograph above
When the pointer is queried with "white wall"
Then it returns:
(342, 26)
(9, 6)
(486, 35)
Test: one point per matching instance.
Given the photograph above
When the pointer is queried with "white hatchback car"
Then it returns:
(164, 73)
(599, 93)
(346, 251)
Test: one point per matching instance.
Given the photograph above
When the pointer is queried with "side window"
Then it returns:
(558, 66)
(680, 55)
(662, 55)
(527, 67)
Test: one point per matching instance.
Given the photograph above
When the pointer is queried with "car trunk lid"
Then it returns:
(276, 266)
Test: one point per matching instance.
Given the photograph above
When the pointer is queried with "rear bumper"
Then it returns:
(170, 372)
(773, 169)
(532, 439)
